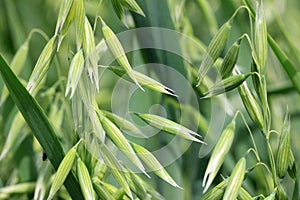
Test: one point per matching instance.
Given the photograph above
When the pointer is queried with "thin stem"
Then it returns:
(261, 164)
(272, 160)
(249, 130)
(36, 30)
(97, 16)
(255, 153)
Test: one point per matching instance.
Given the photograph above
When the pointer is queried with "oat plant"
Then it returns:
(94, 104)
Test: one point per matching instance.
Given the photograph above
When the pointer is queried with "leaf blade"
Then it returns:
(38, 122)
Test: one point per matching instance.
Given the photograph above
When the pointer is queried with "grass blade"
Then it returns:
(289, 68)
(39, 124)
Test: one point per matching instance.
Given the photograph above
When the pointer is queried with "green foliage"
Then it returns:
(85, 114)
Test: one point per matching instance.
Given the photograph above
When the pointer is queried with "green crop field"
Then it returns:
(149, 99)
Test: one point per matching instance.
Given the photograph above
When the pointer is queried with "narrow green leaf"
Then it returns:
(290, 69)
(39, 124)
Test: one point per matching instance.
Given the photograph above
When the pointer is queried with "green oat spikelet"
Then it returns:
(260, 37)
(121, 142)
(85, 180)
(63, 171)
(153, 164)
(226, 85)
(169, 126)
(79, 23)
(235, 180)
(144, 80)
(244, 195)
(218, 155)
(117, 50)
(251, 105)
(75, 72)
(118, 10)
(89, 50)
(284, 148)
(115, 168)
(133, 6)
(230, 59)
(214, 50)
(217, 192)
(42, 65)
